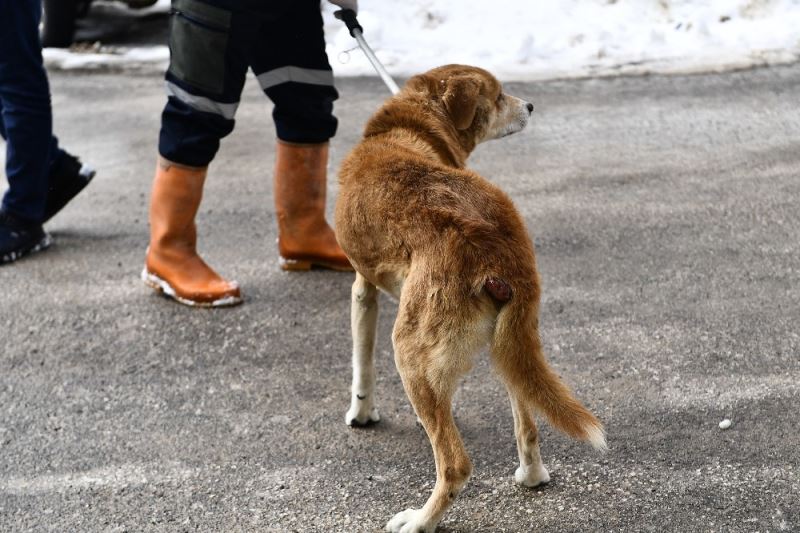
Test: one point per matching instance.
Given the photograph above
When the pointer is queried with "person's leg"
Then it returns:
(26, 112)
(37, 168)
(26, 124)
(204, 82)
(293, 70)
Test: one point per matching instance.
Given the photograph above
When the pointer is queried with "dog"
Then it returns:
(452, 248)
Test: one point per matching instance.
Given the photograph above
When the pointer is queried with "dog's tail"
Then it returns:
(517, 352)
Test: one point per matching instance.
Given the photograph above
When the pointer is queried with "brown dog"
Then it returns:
(453, 249)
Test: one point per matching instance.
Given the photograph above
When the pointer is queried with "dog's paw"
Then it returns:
(532, 476)
(361, 414)
(410, 521)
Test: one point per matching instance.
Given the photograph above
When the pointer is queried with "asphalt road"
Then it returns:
(666, 215)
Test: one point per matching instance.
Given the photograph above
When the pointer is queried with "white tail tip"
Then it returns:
(597, 438)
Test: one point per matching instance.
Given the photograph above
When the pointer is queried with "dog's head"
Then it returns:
(472, 100)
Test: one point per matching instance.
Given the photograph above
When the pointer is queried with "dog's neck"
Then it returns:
(406, 128)
(415, 142)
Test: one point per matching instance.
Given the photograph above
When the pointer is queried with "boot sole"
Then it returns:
(38, 247)
(161, 286)
(300, 265)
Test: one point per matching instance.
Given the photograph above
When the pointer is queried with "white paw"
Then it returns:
(410, 521)
(532, 475)
(362, 412)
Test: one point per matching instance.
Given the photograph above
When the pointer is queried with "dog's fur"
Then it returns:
(453, 249)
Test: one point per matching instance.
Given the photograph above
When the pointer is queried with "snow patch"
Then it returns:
(518, 39)
(104, 57)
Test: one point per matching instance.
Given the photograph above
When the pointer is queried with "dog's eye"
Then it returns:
(500, 98)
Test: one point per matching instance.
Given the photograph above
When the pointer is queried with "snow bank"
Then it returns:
(525, 40)
(87, 56)
(106, 57)
(522, 39)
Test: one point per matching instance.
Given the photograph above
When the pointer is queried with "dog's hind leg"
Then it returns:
(533, 384)
(531, 471)
(363, 321)
(433, 350)
(453, 466)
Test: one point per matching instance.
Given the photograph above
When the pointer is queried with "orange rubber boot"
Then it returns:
(172, 265)
(304, 237)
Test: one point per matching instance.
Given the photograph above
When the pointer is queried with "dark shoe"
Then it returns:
(18, 238)
(68, 177)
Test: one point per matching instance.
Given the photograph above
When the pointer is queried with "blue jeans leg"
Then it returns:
(25, 112)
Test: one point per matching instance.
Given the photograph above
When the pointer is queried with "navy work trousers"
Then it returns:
(213, 43)
(26, 120)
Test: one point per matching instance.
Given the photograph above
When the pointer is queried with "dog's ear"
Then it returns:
(461, 99)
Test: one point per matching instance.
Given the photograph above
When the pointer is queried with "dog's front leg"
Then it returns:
(363, 321)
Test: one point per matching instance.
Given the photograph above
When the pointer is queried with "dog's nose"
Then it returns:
(530, 107)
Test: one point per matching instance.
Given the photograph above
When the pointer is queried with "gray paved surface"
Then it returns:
(666, 213)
